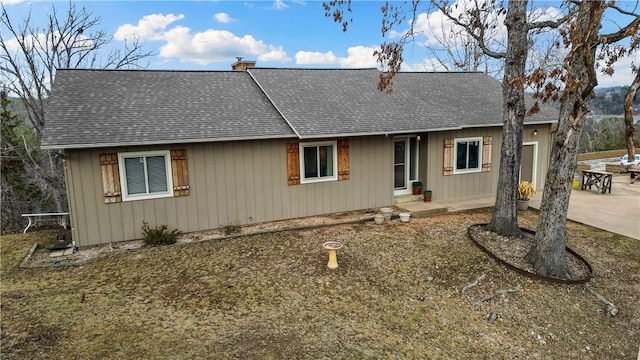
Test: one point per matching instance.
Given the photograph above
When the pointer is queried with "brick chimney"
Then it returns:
(242, 65)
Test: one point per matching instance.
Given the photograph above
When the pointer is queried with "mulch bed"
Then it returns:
(512, 251)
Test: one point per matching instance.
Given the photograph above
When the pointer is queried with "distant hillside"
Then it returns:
(610, 101)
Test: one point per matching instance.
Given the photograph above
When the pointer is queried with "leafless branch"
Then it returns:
(474, 24)
(628, 30)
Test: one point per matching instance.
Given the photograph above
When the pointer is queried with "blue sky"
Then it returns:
(208, 35)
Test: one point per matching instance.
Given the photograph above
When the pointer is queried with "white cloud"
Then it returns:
(357, 57)
(279, 4)
(315, 57)
(274, 54)
(204, 47)
(438, 29)
(431, 64)
(43, 42)
(215, 46)
(622, 75)
(223, 18)
(544, 14)
(11, 2)
(150, 27)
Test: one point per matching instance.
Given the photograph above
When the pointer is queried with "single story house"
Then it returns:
(199, 150)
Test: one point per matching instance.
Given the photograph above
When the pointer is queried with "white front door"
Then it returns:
(405, 164)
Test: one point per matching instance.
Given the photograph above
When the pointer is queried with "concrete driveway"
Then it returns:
(618, 212)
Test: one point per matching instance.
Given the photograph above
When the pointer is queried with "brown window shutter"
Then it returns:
(343, 159)
(448, 156)
(293, 164)
(486, 153)
(179, 172)
(110, 178)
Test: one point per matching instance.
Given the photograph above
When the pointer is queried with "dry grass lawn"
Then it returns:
(396, 295)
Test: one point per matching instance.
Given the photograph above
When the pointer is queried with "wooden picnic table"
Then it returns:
(635, 174)
(61, 218)
(600, 179)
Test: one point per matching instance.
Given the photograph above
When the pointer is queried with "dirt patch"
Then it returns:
(41, 257)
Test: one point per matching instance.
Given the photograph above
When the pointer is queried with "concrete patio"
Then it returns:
(617, 212)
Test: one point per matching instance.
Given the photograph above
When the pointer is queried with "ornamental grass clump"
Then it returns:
(525, 190)
(159, 235)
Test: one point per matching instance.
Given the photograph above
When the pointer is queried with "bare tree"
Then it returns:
(29, 57)
(578, 76)
(453, 48)
(33, 53)
(628, 115)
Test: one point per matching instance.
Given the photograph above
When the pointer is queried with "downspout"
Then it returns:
(65, 175)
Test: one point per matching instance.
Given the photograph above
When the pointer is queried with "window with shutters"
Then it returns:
(318, 161)
(145, 175)
(467, 155)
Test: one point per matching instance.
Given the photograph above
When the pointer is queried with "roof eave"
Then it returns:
(162, 142)
(539, 122)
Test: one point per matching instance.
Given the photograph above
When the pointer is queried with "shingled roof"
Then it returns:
(91, 108)
(95, 108)
(346, 102)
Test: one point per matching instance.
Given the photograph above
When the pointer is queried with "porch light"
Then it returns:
(418, 138)
(535, 132)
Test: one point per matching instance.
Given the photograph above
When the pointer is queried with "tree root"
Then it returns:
(518, 288)
(611, 309)
(475, 283)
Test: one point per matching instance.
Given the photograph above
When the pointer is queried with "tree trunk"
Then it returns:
(505, 215)
(55, 180)
(548, 255)
(628, 116)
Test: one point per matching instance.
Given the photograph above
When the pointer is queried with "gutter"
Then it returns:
(540, 122)
(266, 137)
(396, 132)
(162, 142)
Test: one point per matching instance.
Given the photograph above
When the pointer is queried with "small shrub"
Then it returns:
(159, 235)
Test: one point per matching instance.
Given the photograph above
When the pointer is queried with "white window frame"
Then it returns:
(316, 144)
(123, 175)
(455, 155)
(408, 189)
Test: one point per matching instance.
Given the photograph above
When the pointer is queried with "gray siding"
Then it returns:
(231, 183)
(468, 186)
(245, 182)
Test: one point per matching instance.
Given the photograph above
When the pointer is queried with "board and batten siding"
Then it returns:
(543, 139)
(479, 184)
(231, 183)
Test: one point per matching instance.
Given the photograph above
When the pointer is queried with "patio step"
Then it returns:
(401, 199)
(420, 209)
